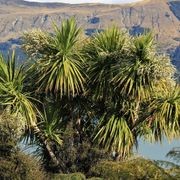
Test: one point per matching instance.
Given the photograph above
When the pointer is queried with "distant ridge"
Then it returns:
(33, 4)
(160, 16)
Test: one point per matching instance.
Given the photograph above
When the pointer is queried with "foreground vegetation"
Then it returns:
(83, 100)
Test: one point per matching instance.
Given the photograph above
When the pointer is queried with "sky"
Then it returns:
(88, 1)
(157, 151)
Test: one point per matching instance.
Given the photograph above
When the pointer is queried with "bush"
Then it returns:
(133, 169)
(95, 178)
(11, 129)
(76, 156)
(73, 176)
(20, 166)
(14, 164)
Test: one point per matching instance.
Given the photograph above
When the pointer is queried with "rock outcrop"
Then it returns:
(160, 16)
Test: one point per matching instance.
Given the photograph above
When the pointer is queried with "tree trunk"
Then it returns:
(136, 116)
(118, 157)
(43, 140)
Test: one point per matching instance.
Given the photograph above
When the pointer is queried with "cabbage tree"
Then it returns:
(15, 100)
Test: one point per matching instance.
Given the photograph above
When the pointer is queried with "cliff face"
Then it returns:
(160, 16)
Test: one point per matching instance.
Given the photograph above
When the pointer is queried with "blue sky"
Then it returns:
(88, 1)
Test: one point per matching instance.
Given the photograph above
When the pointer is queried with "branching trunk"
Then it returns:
(43, 140)
(136, 115)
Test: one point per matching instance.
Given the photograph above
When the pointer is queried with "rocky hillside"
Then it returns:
(160, 16)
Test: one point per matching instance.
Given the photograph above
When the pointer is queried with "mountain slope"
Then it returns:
(161, 16)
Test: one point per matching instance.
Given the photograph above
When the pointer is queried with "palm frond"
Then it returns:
(143, 69)
(51, 125)
(59, 64)
(114, 134)
(165, 117)
(11, 89)
(103, 51)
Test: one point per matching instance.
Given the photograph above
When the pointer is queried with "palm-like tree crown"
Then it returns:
(11, 90)
(164, 119)
(103, 52)
(59, 61)
(131, 76)
(142, 69)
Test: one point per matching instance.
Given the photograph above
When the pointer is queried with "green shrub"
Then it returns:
(20, 166)
(73, 176)
(133, 169)
(76, 156)
(15, 165)
(95, 178)
(11, 129)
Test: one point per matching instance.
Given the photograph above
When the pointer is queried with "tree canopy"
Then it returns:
(110, 88)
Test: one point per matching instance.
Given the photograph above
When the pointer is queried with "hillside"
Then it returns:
(161, 16)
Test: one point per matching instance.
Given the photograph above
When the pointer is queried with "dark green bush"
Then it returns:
(95, 178)
(15, 165)
(73, 176)
(76, 156)
(133, 169)
(11, 129)
(20, 166)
